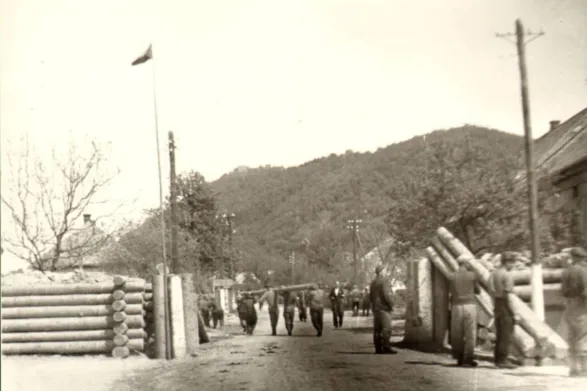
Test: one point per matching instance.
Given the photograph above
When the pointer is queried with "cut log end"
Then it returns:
(118, 305)
(119, 281)
(121, 328)
(118, 294)
(120, 340)
(119, 316)
(120, 352)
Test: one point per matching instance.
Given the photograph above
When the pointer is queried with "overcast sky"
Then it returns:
(243, 82)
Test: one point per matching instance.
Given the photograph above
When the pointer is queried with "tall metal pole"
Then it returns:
(173, 201)
(162, 213)
(229, 217)
(536, 282)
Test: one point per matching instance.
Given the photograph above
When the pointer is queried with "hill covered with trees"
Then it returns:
(463, 178)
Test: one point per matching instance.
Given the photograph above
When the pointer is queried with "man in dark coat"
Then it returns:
(248, 302)
(316, 302)
(337, 300)
(217, 315)
(242, 312)
(205, 310)
(382, 305)
(366, 305)
(356, 297)
(301, 303)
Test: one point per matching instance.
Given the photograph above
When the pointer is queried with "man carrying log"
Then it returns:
(574, 289)
(248, 302)
(316, 301)
(337, 300)
(242, 311)
(289, 310)
(382, 304)
(463, 323)
(270, 296)
(502, 286)
(301, 304)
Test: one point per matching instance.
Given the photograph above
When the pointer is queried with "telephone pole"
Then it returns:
(229, 222)
(292, 261)
(536, 282)
(173, 196)
(354, 227)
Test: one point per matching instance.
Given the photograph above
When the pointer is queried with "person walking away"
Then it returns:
(250, 313)
(316, 302)
(242, 312)
(337, 300)
(289, 310)
(356, 300)
(366, 302)
(270, 296)
(502, 285)
(301, 304)
(382, 305)
(574, 289)
(463, 323)
(217, 315)
(205, 310)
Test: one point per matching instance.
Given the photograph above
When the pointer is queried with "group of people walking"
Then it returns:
(378, 298)
(463, 329)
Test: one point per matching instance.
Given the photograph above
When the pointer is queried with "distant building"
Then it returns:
(83, 248)
(562, 153)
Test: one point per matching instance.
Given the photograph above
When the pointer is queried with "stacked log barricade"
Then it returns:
(428, 309)
(83, 318)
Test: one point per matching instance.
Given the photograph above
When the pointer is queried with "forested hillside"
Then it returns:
(463, 178)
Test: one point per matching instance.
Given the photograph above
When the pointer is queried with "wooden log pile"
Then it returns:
(81, 318)
(532, 337)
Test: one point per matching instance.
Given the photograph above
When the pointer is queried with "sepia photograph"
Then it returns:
(301, 195)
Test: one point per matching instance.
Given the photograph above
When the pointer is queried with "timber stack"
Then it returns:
(533, 339)
(80, 318)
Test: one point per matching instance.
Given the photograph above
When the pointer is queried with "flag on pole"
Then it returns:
(144, 57)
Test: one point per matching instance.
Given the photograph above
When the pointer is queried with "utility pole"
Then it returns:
(229, 222)
(354, 227)
(292, 261)
(173, 196)
(536, 279)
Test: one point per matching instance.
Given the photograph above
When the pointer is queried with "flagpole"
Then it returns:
(168, 354)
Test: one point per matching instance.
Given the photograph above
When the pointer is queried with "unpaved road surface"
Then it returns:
(342, 359)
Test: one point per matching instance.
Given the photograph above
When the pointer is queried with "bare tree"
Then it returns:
(45, 201)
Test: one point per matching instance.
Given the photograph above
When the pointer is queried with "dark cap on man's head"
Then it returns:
(378, 269)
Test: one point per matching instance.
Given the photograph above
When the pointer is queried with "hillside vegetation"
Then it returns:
(462, 178)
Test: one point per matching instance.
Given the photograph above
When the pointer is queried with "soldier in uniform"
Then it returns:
(382, 304)
(502, 285)
(463, 323)
(356, 300)
(205, 310)
(366, 302)
(337, 300)
(289, 310)
(316, 302)
(270, 296)
(217, 315)
(574, 289)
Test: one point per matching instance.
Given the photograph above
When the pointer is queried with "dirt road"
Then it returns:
(342, 359)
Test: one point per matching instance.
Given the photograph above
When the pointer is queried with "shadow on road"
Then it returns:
(434, 363)
(358, 353)
(533, 374)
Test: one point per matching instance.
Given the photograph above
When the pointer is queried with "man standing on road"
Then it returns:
(248, 303)
(356, 299)
(574, 289)
(289, 310)
(337, 300)
(366, 302)
(316, 301)
(382, 304)
(301, 303)
(242, 311)
(270, 296)
(463, 323)
(502, 285)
